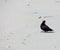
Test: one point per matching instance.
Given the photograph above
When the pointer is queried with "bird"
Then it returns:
(44, 27)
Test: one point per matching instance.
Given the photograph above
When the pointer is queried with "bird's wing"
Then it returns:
(47, 28)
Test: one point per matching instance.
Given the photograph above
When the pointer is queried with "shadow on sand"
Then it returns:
(47, 32)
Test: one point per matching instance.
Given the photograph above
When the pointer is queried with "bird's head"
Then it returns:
(43, 22)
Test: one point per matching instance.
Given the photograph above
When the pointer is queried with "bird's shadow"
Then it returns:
(48, 32)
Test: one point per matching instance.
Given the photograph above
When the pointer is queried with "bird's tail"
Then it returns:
(51, 29)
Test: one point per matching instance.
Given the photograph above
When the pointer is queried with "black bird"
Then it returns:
(44, 27)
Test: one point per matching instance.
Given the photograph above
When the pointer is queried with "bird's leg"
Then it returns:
(45, 31)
